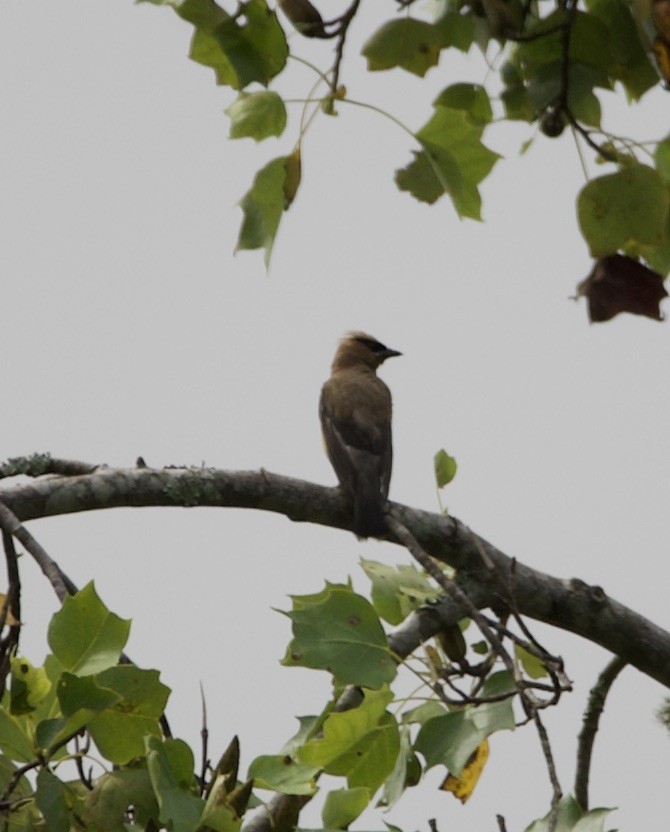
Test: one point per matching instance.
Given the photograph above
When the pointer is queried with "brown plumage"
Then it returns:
(355, 411)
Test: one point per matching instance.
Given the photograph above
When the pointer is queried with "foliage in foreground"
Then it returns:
(85, 745)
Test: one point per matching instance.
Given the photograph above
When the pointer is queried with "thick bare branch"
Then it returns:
(569, 604)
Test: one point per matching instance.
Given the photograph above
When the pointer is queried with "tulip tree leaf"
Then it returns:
(413, 45)
(85, 636)
(630, 205)
(453, 160)
(257, 115)
(361, 744)
(343, 806)
(339, 631)
(281, 773)
(271, 194)
(397, 590)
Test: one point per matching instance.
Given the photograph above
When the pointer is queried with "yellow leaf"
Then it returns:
(463, 786)
(10, 621)
(662, 52)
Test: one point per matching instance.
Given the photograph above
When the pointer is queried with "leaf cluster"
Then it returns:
(544, 63)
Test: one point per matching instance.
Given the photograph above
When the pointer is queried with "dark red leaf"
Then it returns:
(620, 284)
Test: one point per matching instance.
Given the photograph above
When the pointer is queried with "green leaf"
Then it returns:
(449, 740)
(453, 161)
(51, 800)
(592, 821)
(15, 737)
(343, 806)
(571, 818)
(628, 206)
(30, 686)
(457, 30)
(627, 58)
(397, 591)
(471, 98)
(495, 716)
(85, 636)
(532, 665)
(411, 44)
(105, 807)
(361, 744)
(307, 724)
(422, 713)
(282, 773)
(445, 468)
(182, 762)
(257, 115)
(76, 693)
(241, 52)
(120, 732)
(406, 772)
(178, 809)
(339, 631)
(272, 192)
(662, 158)
(218, 815)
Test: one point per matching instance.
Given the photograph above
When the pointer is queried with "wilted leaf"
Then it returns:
(462, 786)
(272, 192)
(620, 284)
(304, 16)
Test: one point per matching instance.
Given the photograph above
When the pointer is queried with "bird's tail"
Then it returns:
(369, 510)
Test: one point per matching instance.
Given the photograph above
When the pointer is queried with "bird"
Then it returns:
(355, 411)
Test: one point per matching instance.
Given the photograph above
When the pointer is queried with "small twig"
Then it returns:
(79, 763)
(11, 524)
(451, 588)
(12, 605)
(204, 736)
(432, 823)
(345, 22)
(594, 708)
(557, 793)
(501, 823)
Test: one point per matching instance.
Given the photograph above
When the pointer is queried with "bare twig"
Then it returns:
(11, 524)
(11, 606)
(204, 736)
(345, 22)
(557, 792)
(594, 708)
(501, 823)
(451, 588)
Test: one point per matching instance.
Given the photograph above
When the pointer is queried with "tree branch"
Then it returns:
(587, 735)
(568, 604)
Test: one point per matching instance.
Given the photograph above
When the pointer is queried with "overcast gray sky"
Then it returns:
(130, 328)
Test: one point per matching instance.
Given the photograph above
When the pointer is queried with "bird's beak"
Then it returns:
(390, 353)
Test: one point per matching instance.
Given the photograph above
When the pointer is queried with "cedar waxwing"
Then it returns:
(355, 411)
